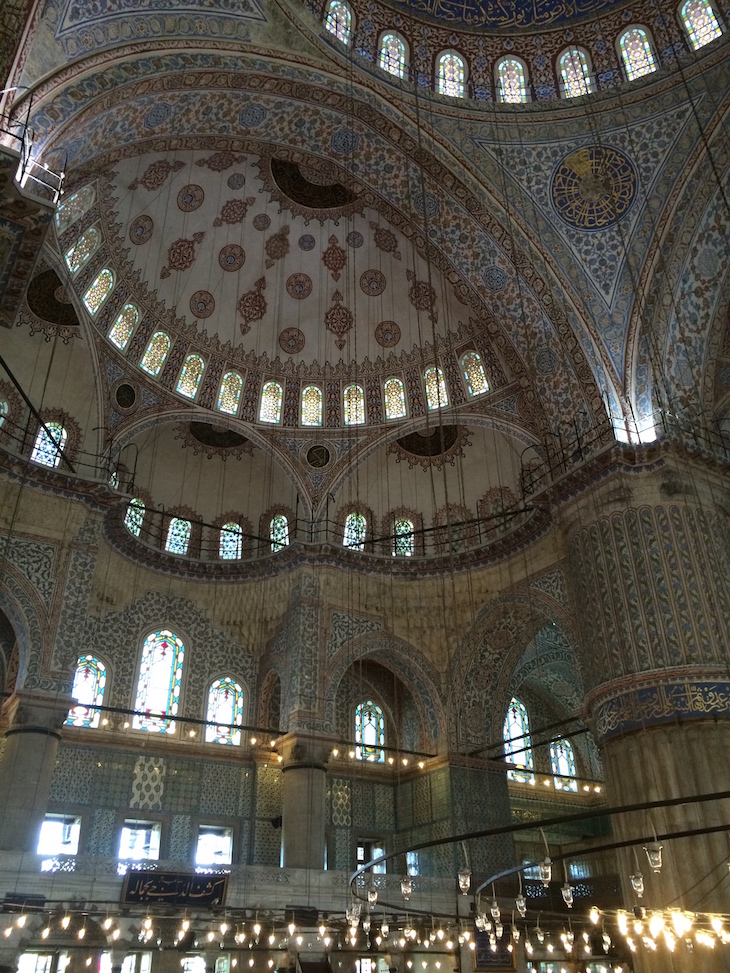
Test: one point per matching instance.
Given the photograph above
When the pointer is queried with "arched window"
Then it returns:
(511, 81)
(74, 207)
(392, 56)
(575, 73)
(404, 539)
(47, 449)
(225, 712)
(192, 372)
(354, 405)
(637, 53)
(126, 322)
(395, 398)
(155, 354)
(134, 516)
(339, 20)
(99, 290)
(476, 380)
(355, 529)
(311, 406)
(436, 394)
(271, 397)
(450, 75)
(178, 536)
(517, 746)
(700, 22)
(562, 761)
(369, 732)
(88, 691)
(4, 411)
(80, 252)
(230, 544)
(230, 393)
(158, 686)
(279, 532)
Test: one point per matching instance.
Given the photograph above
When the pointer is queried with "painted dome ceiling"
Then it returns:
(503, 14)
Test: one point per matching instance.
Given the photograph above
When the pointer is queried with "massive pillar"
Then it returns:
(304, 798)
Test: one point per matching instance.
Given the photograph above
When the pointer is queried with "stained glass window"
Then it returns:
(271, 397)
(88, 691)
(637, 53)
(225, 712)
(575, 73)
(279, 532)
(192, 372)
(404, 541)
(99, 290)
(230, 393)
(158, 687)
(311, 406)
(701, 22)
(355, 530)
(476, 380)
(155, 354)
(121, 330)
(517, 746)
(134, 516)
(451, 75)
(4, 410)
(178, 536)
(392, 55)
(369, 732)
(47, 449)
(230, 544)
(436, 395)
(395, 398)
(339, 20)
(562, 761)
(80, 252)
(354, 405)
(72, 208)
(512, 82)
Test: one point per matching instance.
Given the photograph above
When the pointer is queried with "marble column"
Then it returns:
(304, 797)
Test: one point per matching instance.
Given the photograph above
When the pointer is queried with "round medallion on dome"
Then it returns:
(291, 340)
(307, 242)
(299, 286)
(546, 360)
(190, 198)
(387, 334)
(344, 141)
(202, 304)
(140, 230)
(252, 115)
(261, 221)
(318, 456)
(236, 180)
(372, 283)
(232, 257)
(354, 239)
(495, 279)
(593, 187)
(426, 205)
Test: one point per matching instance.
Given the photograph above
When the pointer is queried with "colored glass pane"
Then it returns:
(134, 517)
(311, 406)
(574, 72)
(395, 399)
(121, 330)
(192, 372)
(404, 541)
(158, 686)
(436, 395)
(476, 380)
(230, 393)
(178, 536)
(47, 449)
(701, 22)
(339, 20)
(354, 405)
(369, 732)
(4, 410)
(88, 691)
(99, 290)
(230, 544)
(392, 55)
(74, 207)
(80, 252)
(517, 746)
(512, 84)
(637, 53)
(271, 397)
(562, 761)
(225, 712)
(355, 530)
(155, 354)
(451, 75)
(279, 532)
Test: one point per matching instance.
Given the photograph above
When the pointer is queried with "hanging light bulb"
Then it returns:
(545, 869)
(521, 904)
(623, 922)
(272, 938)
(654, 855)
(366, 924)
(606, 939)
(406, 887)
(21, 921)
(256, 930)
(656, 924)
(65, 921)
(494, 910)
(594, 915)
(515, 933)
(292, 928)
(465, 881)
(45, 932)
(372, 896)
(82, 932)
(567, 893)
(384, 929)
(480, 921)
(498, 929)
(224, 928)
(539, 934)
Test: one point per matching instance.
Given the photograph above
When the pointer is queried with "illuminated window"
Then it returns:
(354, 405)
(339, 20)
(134, 516)
(88, 691)
(47, 449)
(99, 290)
(140, 841)
(4, 410)
(450, 75)
(392, 55)
(637, 53)
(80, 252)
(279, 532)
(271, 397)
(395, 398)
(369, 732)
(158, 687)
(121, 330)
(156, 353)
(512, 84)
(225, 712)
(230, 544)
(367, 850)
(214, 847)
(355, 530)
(59, 835)
(562, 761)
(74, 207)
(178, 536)
(476, 380)
(404, 540)
(436, 395)
(311, 406)
(700, 22)
(517, 746)
(192, 372)
(575, 73)
(230, 393)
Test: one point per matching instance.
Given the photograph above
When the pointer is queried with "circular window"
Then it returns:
(318, 456)
(125, 396)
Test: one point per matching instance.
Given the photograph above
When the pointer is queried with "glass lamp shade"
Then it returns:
(546, 871)
(521, 904)
(637, 883)
(406, 887)
(498, 929)
(366, 925)
(567, 892)
(515, 933)
(481, 921)
(384, 930)
(465, 881)
(654, 855)
(372, 896)
(495, 910)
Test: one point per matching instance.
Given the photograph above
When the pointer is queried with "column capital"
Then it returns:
(29, 712)
(306, 750)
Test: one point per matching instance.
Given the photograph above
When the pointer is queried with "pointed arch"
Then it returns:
(451, 74)
(155, 354)
(272, 395)
(190, 376)
(81, 252)
(575, 73)
(354, 405)
(562, 763)
(474, 374)
(518, 743)
(311, 405)
(89, 684)
(159, 682)
(395, 398)
(122, 329)
(392, 53)
(700, 21)
(338, 20)
(369, 732)
(229, 395)
(100, 289)
(224, 712)
(512, 80)
(436, 395)
(637, 53)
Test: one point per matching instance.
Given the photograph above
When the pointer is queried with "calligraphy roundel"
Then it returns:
(593, 187)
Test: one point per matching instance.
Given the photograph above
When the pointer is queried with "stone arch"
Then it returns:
(24, 616)
(270, 699)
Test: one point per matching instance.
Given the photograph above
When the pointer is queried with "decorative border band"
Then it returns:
(658, 704)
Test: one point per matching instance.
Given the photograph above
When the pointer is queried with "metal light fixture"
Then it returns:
(567, 893)
(372, 896)
(465, 881)
(654, 855)
(406, 887)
